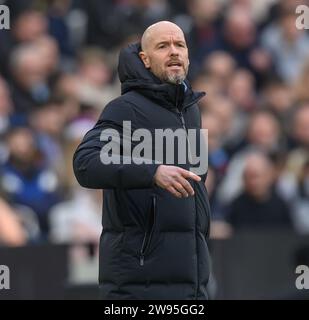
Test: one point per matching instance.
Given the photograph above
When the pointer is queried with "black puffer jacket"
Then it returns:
(153, 245)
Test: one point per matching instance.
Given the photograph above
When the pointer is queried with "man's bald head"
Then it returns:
(164, 52)
(258, 175)
(157, 28)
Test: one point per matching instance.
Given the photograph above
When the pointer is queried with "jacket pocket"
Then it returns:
(149, 230)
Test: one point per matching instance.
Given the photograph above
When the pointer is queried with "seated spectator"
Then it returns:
(111, 22)
(218, 158)
(241, 90)
(258, 206)
(226, 112)
(202, 26)
(277, 96)
(287, 45)
(78, 219)
(27, 24)
(29, 85)
(220, 66)
(297, 157)
(49, 54)
(300, 201)
(24, 178)
(91, 83)
(48, 123)
(263, 133)
(239, 39)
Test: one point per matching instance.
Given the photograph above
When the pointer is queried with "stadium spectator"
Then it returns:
(25, 180)
(258, 206)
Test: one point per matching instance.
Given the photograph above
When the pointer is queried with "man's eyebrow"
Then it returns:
(168, 41)
(162, 42)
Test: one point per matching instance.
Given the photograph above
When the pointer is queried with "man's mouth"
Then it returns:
(174, 64)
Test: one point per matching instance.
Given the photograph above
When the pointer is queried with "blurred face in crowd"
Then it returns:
(49, 53)
(211, 122)
(165, 53)
(289, 31)
(204, 11)
(49, 120)
(21, 146)
(28, 67)
(258, 176)
(241, 89)
(239, 28)
(278, 97)
(97, 74)
(29, 26)
(264, 131)
(5, 99)
(220, 65)
(93, 67)
(301, 125)
(224, 110)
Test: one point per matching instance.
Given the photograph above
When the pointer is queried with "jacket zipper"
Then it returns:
(180, 114)
(190, 159)
(149, 230)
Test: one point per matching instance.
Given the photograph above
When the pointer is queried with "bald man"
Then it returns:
(165, 53)
(259, 205)
(156, 212)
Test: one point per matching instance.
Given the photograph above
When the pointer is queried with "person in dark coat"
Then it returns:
(156, 214)
(259, 206)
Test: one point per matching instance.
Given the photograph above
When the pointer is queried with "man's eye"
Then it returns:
(161, 46)
(181, 45)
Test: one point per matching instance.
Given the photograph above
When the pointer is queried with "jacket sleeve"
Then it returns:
(92, 173)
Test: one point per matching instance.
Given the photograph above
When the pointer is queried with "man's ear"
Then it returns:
(145, 59)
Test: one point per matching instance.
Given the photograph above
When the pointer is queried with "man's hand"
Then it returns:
(174, 180)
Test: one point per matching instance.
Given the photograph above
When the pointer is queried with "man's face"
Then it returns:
(166, 53)
(258, 176)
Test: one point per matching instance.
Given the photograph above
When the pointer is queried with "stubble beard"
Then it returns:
(172, 78)
(175, 78)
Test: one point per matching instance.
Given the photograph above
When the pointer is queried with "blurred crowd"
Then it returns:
(58, 69)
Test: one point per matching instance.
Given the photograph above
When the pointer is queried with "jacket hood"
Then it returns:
(134, 76)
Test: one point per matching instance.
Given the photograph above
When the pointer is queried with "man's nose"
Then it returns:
(174, 50)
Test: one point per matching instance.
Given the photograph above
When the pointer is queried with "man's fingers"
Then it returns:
(174, 180)
(174, 192)
(179, 187)
(186, 184)
(190, 175)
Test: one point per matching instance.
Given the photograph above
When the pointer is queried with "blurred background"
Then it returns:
(58, 69)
